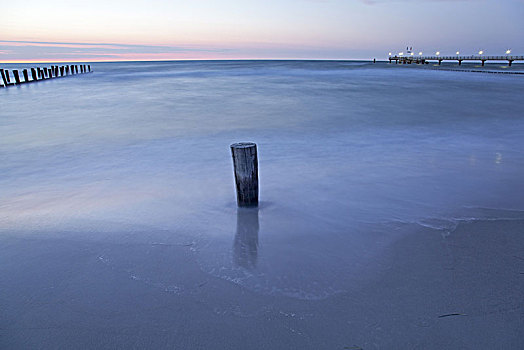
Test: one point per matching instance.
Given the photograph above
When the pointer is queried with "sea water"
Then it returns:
(349, 153)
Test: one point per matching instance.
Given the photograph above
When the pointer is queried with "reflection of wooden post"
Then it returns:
(245, 162)
(17, 78)
(245, 247)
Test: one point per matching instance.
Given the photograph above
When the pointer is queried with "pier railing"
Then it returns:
(41, 73)
(481, 58)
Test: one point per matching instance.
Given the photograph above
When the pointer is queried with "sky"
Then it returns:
(114, 30)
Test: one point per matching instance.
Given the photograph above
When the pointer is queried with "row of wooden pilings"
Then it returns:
(42, 73)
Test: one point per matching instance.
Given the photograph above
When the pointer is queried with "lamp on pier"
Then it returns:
(437, 53)
(458, 53)
(420, 53)
(481, 52)
(508, 51)
(390, 53)
(401, 53)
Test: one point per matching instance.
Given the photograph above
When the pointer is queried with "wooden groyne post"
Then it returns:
(26, 76)
(17, 77)
(40, 73)
(245, 163)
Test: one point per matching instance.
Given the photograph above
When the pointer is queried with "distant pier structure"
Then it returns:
(412, 58)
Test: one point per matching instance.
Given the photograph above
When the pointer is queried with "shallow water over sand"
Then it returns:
(132, 163)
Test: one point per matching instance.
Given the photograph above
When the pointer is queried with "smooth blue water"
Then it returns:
(350, 153)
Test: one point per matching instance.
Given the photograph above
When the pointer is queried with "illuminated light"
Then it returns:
(390, 53)
(458, 53)
(437, 53)
(412, 54)
(420, 53)
(481, 52)
(401, 53)
(508, 51)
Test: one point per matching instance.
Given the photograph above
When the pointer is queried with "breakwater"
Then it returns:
(31, 75)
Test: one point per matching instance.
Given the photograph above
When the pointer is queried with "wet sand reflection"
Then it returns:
(245, 248)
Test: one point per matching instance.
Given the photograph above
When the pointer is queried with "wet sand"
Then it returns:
(430, 289)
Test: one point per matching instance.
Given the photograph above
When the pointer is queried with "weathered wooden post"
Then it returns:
(62, 70)
(245, 163)
(26, 76)
(33, 74)
(17, 77)
(89, 67)
(6, 83)
(76, 68)
(56, 71)
(7, 76)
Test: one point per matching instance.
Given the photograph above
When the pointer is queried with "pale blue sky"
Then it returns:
(316, 29)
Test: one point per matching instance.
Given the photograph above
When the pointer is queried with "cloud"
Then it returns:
(18, 50)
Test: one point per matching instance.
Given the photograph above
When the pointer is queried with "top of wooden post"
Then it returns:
(243, 145)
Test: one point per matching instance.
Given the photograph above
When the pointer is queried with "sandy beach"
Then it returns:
(428, 290)
(390, 216)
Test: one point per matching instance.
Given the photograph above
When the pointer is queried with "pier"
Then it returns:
(41, 73)
(400, 59)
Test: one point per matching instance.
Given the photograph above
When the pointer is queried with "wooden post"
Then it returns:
(56, 71)
(62, 70)
(6, 82)
(33, 74)
(17, 77)
(76, 69)
(245, 163)
(89, 67)
(7, 76)
(26, 76)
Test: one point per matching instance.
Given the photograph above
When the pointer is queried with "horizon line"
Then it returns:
(190, 59)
